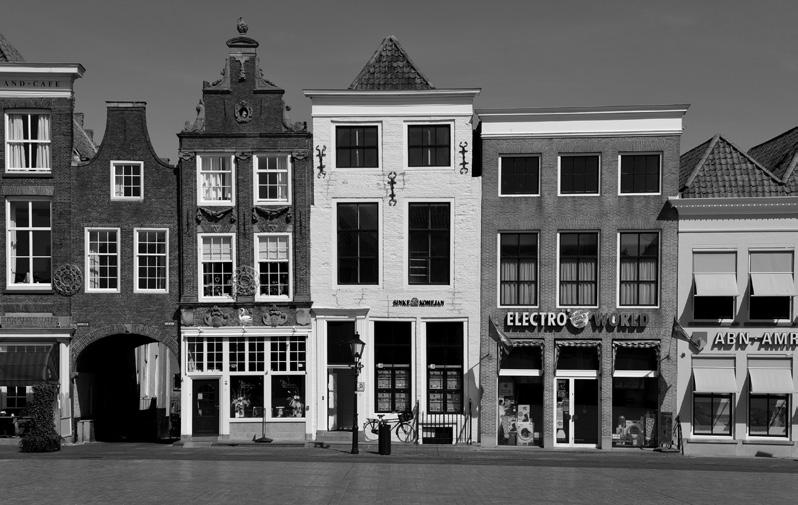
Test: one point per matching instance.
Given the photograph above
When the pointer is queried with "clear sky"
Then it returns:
(734, 61)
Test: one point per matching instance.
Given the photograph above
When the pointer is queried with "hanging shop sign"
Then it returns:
(577, 318)
(767, 339)
(415, 302)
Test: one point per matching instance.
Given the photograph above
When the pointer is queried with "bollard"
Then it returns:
(384, 439)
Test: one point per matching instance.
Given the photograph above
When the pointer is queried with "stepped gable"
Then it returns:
(9, 53)
(717, 168)
(779, 154)
(390, 68)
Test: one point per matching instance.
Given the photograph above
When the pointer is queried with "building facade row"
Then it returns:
(527, 277)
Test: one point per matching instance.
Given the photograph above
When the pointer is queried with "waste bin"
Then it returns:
(384, 439)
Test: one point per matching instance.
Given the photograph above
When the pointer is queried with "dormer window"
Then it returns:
(28, 142)
(127, 180)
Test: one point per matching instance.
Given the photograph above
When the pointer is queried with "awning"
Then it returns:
(526, 343)
(771, 376)
(26, 365)
(652, 345)
(772, 284)
(714, 375)
(721, 284)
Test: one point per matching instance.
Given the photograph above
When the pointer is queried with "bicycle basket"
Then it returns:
(405, 416)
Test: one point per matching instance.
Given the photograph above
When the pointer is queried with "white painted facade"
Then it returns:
(392, 112)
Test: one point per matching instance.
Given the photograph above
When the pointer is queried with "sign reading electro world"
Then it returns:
(577, 318)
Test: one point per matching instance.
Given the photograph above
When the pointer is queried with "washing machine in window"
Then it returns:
(526, 433)
(635, 433)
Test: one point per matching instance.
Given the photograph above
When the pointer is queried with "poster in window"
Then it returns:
(453, 380)
(436, 402)
(401, 376)
(384, 378)
(506, 388)
(383, 402)
(436, 380)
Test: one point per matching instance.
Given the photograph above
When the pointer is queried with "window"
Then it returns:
(518, 260)
(444, 368)
(246, 396)
(579, 175)
(639, 269)
(358, 243)
(204, 354)
(519, 175)
(217, 264)
(127, 180)
(29, 243)
(392, 355)
(429, 243)
(356, 147)
(712, 414)
(102, 260)
(429, 145)
(151, 260)
(640, 173)
(288, 355)
(272, 179)
(215, 184)
(578, 269)
(768, 415)
(28, 142)
(772, 285)
(274, 264)
(715, 278)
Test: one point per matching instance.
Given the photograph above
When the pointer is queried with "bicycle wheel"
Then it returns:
(371, 430)
(404, 432)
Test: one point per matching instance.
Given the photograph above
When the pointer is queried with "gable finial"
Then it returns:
(242, 26)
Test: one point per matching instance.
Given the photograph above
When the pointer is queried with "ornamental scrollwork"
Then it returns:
(214, 215)
(275, 317)
(271, 214)
(216, 317)
(243, 110)
(67, 280)
(245, 281)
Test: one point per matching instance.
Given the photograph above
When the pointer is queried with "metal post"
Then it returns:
(355, 449)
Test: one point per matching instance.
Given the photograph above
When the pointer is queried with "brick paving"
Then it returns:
(140, 473)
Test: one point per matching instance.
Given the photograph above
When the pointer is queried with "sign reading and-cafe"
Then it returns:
(577, 318)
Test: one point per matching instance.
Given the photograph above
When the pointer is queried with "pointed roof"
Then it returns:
(779, 154)
(717, 168)
(9, 53)
(390, 68)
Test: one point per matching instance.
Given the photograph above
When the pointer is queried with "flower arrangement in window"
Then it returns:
(239, 404)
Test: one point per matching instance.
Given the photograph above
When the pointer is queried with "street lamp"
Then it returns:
(356, 346)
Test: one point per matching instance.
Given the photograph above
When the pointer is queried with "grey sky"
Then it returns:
(735, 62)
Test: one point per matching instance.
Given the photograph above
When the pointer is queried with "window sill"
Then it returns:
(151, 292)
(219, 203)
(578, 194)
(640, 194)
(127, 199)
(521, 195)
(711, 439)
(102, 291)
(28, 290)
(272, 203)
(28, 175)
(768, 441)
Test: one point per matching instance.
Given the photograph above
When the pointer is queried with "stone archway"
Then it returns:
(123, 382)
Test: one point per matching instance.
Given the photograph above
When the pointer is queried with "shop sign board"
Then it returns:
(774, 339)
(577, 318)
(415, 302)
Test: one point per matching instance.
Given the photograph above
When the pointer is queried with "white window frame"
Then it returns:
(122, 163)
(136, 256)
(559, 174)
(334, 251)
(334, 159)
(26, 286)
(598, 271)
(792, 298)
(256, 244)
(256, 171)
(27, 112)
(200, 281)
(220, 203)
(618, 270)
(737, 299)
(406, 245)
(86, 240)
(406, 144)
(519, 155)
(499, 270)
(633, 153)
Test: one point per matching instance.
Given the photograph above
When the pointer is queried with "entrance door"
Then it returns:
(576, 412)
(205, 407)
(340, 393)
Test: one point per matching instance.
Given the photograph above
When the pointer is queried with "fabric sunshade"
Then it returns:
(717, 284)
(714, 262)
(26, 365)
(772, 284)
(714, 375)
(527, 343)
(771, 376)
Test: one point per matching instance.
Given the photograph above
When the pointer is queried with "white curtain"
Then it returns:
(16, 151)
(568, 290)
(43, 149)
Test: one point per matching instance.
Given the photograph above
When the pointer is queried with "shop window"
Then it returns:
(640, 173)
(217, 263)
(288, 354)
(127, 180)
(29, 237)
(522, 357)
(356, 147)
(577, 357)
(770, 307)
(429, 243)
(429, 145)
(215, 181)
(444, 367)
(102, 260)
(204, 354)
(358, 243)
(339, 333)
(272, 178)
(392, 356)
(772, 285)
(28, 142)
(288, 396)
(578, 269)
(246, 396)
(520, 411)
(579, 175)
(151, 259)
(519, 176)
(715, 280)
(518, 257)
(639, 269)
(274, 265)
(634, 411)
(768, 415)
(712, 414)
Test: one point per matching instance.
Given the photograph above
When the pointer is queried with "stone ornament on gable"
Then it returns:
(274, 317)
(214, 215)
(216, 317)
(245, 281)
(243, 111)
(67, 280)
(271, 214)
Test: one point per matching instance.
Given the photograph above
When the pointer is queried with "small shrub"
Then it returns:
(41, 435)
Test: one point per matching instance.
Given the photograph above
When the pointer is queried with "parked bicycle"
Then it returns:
(402, 424)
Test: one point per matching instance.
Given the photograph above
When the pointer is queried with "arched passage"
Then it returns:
(124, 385)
